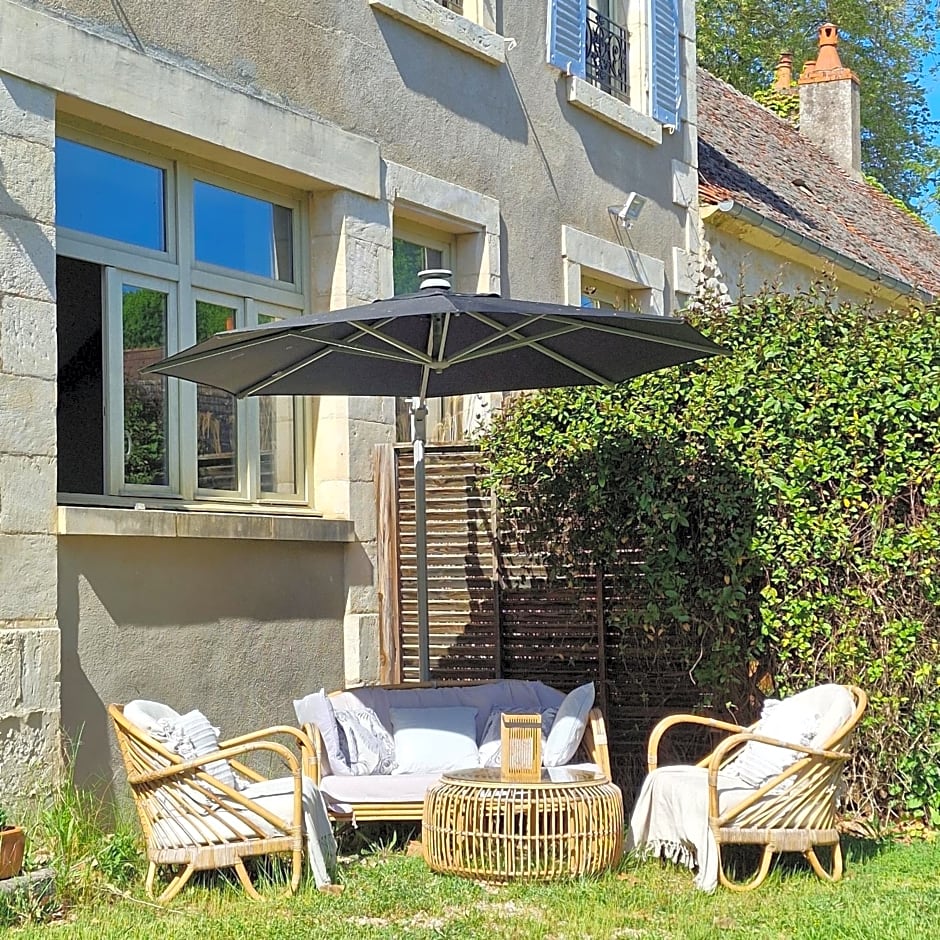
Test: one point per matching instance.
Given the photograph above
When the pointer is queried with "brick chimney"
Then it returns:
(829, 104)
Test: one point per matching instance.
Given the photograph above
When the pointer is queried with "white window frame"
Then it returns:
(587, 256)
(633, 117)
(177, 273)
(469, 221)
(113, 337)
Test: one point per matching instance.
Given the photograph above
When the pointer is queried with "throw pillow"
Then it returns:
(204, 739)
(317, 709)
(807, 718)
(370, 748)
(568, 727)
(491, 739)
(432, 740)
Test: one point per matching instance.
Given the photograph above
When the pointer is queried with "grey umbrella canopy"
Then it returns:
(437, 342)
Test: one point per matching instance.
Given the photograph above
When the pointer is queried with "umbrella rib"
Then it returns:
(535, 344)
(638, 334)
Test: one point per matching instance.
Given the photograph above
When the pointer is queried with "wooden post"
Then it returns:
(387, 563)
(601, 640)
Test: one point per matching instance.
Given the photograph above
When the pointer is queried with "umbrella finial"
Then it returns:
(434, 277)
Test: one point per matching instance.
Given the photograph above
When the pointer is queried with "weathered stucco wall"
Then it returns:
(507, 131)
(745, 269)
(365, 116)
(235, 628)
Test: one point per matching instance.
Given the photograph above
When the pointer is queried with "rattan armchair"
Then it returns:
(192, 820)
(792, 812)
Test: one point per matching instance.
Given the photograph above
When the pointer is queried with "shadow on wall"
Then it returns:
(474, 91)
(235, 628)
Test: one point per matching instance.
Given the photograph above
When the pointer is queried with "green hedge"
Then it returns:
(784, 502)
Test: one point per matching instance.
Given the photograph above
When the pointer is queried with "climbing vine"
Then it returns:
(784, 504)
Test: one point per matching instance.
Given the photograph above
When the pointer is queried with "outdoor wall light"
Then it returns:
(629, 212)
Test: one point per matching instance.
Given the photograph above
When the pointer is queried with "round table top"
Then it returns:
(551, 776)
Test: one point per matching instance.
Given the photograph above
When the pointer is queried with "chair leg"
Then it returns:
(296, 870)
(250, 889)
(836, 873)
(176, 885)
(758, 879)
(151, 874)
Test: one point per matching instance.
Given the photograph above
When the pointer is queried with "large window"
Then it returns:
(155, 255)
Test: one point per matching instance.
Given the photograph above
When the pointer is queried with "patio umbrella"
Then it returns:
(437, 342)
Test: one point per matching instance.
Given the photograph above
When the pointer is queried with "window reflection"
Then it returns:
(216, 414)
(243, 233)
(145, 401)
(111, 196)
(278, 438)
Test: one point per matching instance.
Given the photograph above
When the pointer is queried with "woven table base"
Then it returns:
(479, 826)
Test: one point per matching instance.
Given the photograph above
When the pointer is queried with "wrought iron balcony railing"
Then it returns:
(455, 5)
(607, 61)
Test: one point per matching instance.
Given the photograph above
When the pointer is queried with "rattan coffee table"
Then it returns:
(569, 823)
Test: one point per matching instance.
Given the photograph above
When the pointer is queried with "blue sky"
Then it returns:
(932, 84)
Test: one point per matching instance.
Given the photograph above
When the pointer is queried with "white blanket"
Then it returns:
(670, 818)
(277, 796)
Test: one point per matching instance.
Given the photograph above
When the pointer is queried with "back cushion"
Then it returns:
(809, 718)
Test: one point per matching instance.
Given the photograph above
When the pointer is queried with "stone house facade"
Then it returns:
(169, 170)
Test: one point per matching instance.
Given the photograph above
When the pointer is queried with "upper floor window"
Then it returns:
(153, 256)
(605, 295)
(624, 47)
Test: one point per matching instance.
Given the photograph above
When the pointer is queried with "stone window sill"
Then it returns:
(582, 94)
(452, 28)
(201, 524)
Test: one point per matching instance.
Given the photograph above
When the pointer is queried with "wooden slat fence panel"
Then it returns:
(494, 612)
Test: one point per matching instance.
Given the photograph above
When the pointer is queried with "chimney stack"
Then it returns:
(829, 104)
(783, 73)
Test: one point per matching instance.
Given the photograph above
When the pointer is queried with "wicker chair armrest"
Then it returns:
(671, 721)
(719, 755)
(308, 756)
(199, 763)
(314, 769)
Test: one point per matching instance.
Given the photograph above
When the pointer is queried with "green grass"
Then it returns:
(890, 891)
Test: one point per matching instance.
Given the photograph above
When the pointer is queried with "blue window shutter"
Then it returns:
(567, 23)
(666, 89)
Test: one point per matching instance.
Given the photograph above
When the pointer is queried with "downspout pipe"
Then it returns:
(735, 210)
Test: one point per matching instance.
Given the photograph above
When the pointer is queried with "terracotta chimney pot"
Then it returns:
(829, 104)
(783, 73)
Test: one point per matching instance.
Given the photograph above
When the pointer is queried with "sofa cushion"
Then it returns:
(317, 709)
(808, 718)
(568, 727)
(391, 788)
(532, 696)
(432, 740)
(369, 746)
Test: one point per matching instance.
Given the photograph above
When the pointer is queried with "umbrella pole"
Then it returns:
(419, 413)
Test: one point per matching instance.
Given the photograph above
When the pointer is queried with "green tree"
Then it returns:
(884, 42)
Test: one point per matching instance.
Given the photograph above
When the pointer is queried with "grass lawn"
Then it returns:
(891, 890)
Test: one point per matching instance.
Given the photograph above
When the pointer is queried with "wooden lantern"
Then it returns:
(521, 747)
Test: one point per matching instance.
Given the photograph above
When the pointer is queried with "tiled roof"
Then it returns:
(749, 155)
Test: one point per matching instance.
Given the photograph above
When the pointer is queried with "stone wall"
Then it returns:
(29, 632)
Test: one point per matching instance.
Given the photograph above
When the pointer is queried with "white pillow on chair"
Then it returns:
(808, 718)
